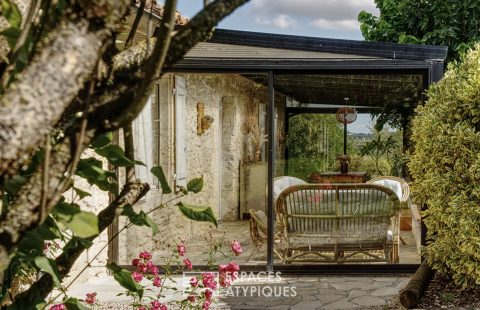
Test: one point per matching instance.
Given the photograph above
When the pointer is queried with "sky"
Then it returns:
(317, 18)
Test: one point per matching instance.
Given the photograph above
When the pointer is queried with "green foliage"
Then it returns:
(102, 140)
(11, 13)
(91, 169)
(381, 146)
(124, 278)
(158, 173)
(139, 219)
(116, 156)
(197, 213)
(446, 168)
(74, 304)
(451, 23)
(49, 266)
(83, 224)
(195, 185)
(313, 143)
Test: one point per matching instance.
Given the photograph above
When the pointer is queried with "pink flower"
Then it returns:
(194, 282)
(58, 307)
(228, 273)
(145, 255)
(222, 268)
(141, 308)
(236, 248)
(208, 294)
(46, 247)
(137, 276)
(206, 305)
(151, 267)
(142, 268)
(156, 305)
(91, 298)
(181, 249)
(224, 280)
(154, 270)
(233, 267)
(187, 263)
(208, 280)
(157, 282)
(135, 261)
(191, 298)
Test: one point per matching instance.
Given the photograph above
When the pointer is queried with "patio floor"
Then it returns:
(239, 230)
(303, 293)
(286, 292)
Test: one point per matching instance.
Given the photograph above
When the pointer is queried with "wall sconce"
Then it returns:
(203, 121)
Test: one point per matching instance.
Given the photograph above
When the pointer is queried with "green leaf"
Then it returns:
(198, 213)
(82, 194)
(91, 170)
(11, 34)
(13, 185)
(102, 140)
(139, 219)
(115, 155)
(183, 189)
(157, 171)
(84, 224)
(75, 304)
(195, 185)
(49, 266)
(11, 13)
(124, 278)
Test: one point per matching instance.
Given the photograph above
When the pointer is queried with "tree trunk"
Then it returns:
(411, 294)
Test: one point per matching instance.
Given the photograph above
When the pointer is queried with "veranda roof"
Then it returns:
(319, 70)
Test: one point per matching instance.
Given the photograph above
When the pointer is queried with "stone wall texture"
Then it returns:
(217, 155)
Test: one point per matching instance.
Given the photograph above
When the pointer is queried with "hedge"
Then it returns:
(445, 166)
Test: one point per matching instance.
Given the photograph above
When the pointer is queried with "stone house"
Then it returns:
(208, 118)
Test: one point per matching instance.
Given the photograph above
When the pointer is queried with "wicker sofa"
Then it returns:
(338, 223)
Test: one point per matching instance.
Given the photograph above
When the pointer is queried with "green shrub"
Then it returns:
(445, 166)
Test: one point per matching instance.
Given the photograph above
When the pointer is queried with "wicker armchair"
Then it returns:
(259, 222)
(398, 185)
(401, 188)
(259, 233)
(339, 223)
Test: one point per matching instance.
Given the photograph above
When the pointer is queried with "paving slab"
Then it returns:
(368, 301)
(343, 303)
(385, 291)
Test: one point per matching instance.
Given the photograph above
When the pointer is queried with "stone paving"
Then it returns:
(282, 293)
(345, 292)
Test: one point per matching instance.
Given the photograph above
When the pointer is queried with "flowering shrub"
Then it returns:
(198, 295)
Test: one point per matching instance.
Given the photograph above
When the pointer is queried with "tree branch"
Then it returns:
(128, 74)
(130, 194)
(30, 109)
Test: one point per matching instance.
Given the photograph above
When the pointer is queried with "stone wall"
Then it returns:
(216, 155)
